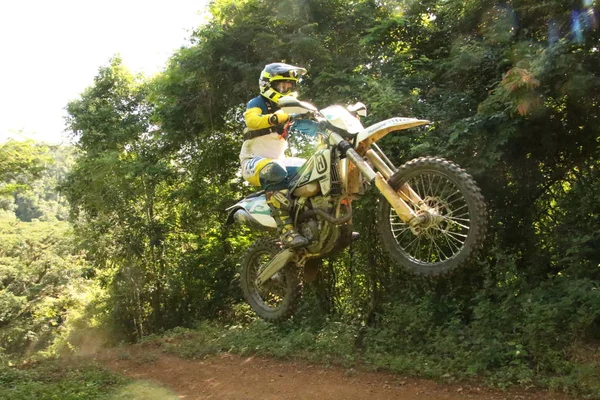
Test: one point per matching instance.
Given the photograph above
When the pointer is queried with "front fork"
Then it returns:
(398, 200)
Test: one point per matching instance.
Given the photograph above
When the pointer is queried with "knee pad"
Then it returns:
(272, 176)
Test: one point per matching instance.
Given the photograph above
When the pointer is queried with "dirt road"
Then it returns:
(229, 377)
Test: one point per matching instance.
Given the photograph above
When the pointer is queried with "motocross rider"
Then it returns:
(262, 156)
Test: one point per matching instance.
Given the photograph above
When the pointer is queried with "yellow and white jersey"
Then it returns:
(271, 146)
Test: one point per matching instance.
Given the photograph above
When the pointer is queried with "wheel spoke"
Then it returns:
(458, 219)
(451, 245)
(430, 253)
(438, 185)
(443, 191)
(400, 234)
(455, 200)
(414, 240)
(457, 234)
(418, 245)
(424, 186)
(447, 199)
(456, 223)
(429, 192)
(272, 292)
(465, 214)
(461, 207)
(440, 250)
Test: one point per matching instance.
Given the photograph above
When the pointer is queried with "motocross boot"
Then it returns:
(280, 210)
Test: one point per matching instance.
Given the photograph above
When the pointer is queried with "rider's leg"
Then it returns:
(273, 180)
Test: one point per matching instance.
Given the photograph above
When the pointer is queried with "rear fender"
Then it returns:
(255, 211)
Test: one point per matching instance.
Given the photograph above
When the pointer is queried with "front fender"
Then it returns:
(375, 132)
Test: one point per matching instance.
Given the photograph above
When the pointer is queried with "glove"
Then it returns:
(286, 130)
(278, 117)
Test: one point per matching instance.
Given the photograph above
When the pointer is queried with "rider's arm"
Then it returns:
(257, 118)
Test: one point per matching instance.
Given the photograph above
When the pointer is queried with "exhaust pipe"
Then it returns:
(243, 217)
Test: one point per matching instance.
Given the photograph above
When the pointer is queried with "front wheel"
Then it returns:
(276, 299)
(453, 217)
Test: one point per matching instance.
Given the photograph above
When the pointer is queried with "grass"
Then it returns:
(52, 379)
(333, 344)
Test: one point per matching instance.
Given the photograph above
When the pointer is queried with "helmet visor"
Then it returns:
(294, 74)
(284, 86)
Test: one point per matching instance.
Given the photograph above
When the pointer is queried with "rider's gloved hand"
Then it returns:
(278, 117)
(286, 130)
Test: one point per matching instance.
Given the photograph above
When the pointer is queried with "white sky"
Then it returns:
(50, 51)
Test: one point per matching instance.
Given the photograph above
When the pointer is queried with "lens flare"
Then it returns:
(576, 30)
(581, 21)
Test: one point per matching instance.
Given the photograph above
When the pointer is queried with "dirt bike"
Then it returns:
(431, 217)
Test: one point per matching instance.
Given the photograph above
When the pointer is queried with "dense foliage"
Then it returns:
(513, 90)
(50, 303)
(29, 175)
(42, 279)
(42, 285)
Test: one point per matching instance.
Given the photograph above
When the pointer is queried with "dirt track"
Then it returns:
(233, 377)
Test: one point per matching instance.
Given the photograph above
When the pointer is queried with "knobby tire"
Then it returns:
(289, 292)
(474, 202)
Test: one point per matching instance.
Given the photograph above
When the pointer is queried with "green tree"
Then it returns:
(42, 285)
(21, 163)
(42, 199)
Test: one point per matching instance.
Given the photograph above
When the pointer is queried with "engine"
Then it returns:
(310, 229)
(312, 224)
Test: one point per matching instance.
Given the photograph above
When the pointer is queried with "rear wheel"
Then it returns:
(276, 299)
(452, 217)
